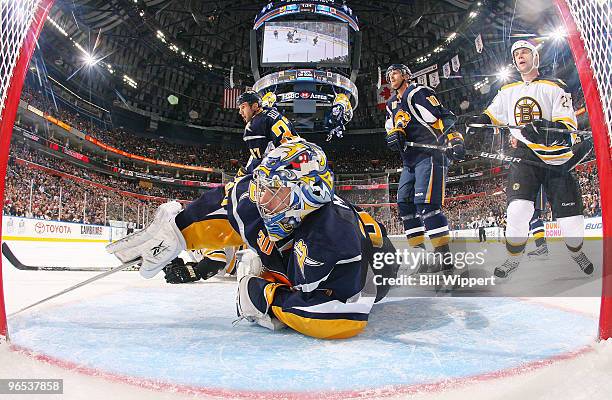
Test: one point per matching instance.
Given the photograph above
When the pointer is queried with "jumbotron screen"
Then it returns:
(295, 42)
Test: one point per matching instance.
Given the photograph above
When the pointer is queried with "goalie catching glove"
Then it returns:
(158, 244)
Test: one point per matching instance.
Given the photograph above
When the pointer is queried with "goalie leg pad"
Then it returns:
(158, 244)
(253, 301)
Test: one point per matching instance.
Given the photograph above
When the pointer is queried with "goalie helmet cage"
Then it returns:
(22, 22)
(588, 23)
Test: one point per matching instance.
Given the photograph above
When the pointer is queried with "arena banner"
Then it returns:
(592, 228)
(31, 229)
(143, 175)
(378, 186)
(145, 159)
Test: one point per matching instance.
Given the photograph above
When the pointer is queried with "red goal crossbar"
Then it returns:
(7, 118)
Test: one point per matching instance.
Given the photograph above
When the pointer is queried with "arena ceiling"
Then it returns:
(125, 34)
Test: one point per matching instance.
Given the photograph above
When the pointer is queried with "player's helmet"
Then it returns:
(250, 97)
(400, 67)
(520, 44)
(292, 181)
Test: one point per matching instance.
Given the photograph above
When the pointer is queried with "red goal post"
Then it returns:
(588, 24)
(22, 21)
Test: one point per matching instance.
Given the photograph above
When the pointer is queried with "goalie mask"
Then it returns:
(292, 181)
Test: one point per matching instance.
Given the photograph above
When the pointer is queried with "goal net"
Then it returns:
(371, 194)
(588, 23)
(21, 22)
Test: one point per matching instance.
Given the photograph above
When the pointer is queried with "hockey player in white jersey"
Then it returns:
(539, 103)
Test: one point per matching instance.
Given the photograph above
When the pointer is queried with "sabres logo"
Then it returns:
(300, 249)
(526, 110)
(401, 119)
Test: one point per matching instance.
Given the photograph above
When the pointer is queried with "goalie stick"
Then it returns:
(81, 284)
(10, 256)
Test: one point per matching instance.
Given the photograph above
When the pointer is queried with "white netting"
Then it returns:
(372, 195)
(593, 19)
(16, 19)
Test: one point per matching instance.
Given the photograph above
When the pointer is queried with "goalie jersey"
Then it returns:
(323, 269)
(264, 132)
(423, 118)
(520, 103)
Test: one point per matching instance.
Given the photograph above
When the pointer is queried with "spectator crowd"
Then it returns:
(33, 192)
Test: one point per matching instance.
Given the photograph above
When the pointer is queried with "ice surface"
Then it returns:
(183, 335)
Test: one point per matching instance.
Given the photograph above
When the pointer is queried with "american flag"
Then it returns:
(229, 95)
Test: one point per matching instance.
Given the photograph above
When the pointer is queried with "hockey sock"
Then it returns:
(519, 212)
(572, 229)
(436, 225)
(536, 228)
(413, 225)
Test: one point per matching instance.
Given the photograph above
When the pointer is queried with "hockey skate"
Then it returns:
(540, 253)
(583, 262)
(504, 270)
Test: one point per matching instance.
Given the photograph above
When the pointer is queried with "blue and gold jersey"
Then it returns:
(323, 268)
(264, 132)
(423, 119)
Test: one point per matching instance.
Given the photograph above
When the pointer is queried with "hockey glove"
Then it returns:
(478, 119)
(179, 272)
(396, 139)
(545, 136)
(456, 149)
(158, 244)
(531, 133)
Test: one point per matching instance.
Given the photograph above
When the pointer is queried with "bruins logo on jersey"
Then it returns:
(526, 110)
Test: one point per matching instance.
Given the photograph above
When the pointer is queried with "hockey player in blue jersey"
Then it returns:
(310, 267)
(265, 128)
(415, 115)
